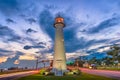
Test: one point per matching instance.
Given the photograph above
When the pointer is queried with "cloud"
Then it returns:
(30, 47)
(27, 47)
(41, 43)
(10, 20)
(75, 55)
(40, 46)
(27, 57)
(4, 51)
(31, 20)
(46, 21)
(3, 59)
(30, 30)
(10, 61)
(8, 34)
(16, 62)
(47, 50)
(104, 49)
(104, 24)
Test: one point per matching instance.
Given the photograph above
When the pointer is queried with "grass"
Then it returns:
(83, 76)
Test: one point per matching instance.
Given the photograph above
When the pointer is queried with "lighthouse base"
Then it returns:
(59, 72)
(59, 67)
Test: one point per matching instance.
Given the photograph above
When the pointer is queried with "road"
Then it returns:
(13, 76)
(106, 73)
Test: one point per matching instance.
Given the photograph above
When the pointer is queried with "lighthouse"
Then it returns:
(59, 61)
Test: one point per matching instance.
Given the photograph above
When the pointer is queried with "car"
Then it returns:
(93, 66)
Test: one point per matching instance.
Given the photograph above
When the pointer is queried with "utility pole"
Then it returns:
(37, 63)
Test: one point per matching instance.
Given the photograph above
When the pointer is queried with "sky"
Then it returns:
(27, 32)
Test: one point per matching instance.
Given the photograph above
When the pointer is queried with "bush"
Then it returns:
(68, 73)
(46, 72)
(76, 71)
(42, 71)
(73, 72)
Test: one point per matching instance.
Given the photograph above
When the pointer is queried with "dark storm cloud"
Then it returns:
(105, 24)
(7, 32)
(3, 50)
(82, 43)
(46, 21)
(47, 50)
(10, 20)
(38, 46)
(74, 44)
(30, 30)
(8, 53)
(35, 43)
(31, 20)
(15, 38)
(27, 47)
(115, 41)
(41, 43)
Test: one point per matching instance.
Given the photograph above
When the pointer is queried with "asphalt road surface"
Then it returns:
(13, 76)
(106, 73)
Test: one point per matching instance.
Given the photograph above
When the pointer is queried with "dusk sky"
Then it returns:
(26, 28)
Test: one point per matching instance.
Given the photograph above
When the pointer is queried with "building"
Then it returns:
(59, 61)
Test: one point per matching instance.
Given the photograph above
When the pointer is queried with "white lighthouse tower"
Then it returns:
(59, 62)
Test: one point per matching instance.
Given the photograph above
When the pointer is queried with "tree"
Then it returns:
(114, 53)
(93, 60)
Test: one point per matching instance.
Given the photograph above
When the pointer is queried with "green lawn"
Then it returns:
(83, 76)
